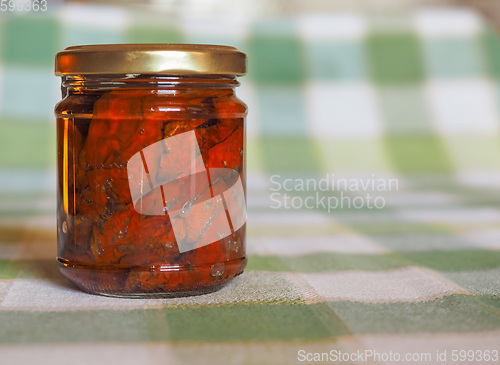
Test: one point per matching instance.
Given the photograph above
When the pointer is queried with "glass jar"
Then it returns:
(151, 168)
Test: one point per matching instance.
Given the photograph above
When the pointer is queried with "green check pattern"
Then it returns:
(414, 97)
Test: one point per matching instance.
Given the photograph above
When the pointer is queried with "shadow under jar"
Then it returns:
(151, 168)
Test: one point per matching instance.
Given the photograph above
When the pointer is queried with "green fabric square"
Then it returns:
(460, 260)
(456, 313)
(389, 22)
(365, 154)
(335, 60)
(33, 143)
(324, 262)
(480, 282)
(492, 300)
(149, 34)
(418, 154)
(427, 241)
(394, 58)
(9, 269)
(293, 154)
(281, 111)
(30, 40)
(452, 57)
(253, 322)
(276, 59)
(80, 35)
(490, 41)
(473, 152)
(98, 326)
(404, 110)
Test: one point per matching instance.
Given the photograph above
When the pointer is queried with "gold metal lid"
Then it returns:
(163, 59)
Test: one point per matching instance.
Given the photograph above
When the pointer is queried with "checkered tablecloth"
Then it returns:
(412, 98)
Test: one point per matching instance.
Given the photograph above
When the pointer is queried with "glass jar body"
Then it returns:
(145, 164)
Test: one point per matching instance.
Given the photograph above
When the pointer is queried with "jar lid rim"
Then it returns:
(151, 58)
